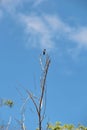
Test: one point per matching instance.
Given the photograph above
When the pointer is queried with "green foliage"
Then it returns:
(9, 103)
(58, 126)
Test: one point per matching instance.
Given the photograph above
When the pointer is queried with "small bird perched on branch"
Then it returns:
(44, 51)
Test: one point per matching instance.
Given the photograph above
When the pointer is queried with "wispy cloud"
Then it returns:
(56, 24)
(38, 2)
(44, 30)
(40, 35)
(79, 35)
(11, 6)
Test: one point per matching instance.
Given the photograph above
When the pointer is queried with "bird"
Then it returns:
(44, 51)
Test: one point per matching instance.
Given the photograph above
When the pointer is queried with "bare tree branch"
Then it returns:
(43, 82)
(32, 98)
(8, 124)
(40, 102)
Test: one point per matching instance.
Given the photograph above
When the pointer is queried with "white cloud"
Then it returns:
(80, 36)
(39, 33)
(75, 34)
(43, 31)
(37, 2)
(57, 24)
(11, 6)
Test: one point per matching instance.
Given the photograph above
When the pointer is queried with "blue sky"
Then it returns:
(26, 28)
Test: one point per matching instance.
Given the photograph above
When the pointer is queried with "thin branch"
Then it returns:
(22, 108)
(43, 116)
(32, 98)
(43, 82)
(21, 122)
(41, 64)
(8, 124)
(40, 105)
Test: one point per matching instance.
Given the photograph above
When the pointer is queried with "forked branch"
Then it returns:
(40, 108)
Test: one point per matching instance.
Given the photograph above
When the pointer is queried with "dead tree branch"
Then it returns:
(43, 88)
(40, 102)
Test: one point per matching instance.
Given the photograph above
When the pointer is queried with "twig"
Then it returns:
(8, 124)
